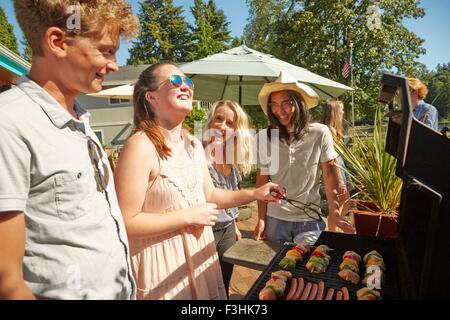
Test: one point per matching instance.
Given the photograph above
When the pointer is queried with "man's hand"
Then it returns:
(259, 233)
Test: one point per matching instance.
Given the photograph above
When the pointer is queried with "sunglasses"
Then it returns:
(285, 105)
(95, 154)
(177, 81)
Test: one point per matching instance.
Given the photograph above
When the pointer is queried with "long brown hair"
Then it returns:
(144, 118)
(332, 118)
(300, 118)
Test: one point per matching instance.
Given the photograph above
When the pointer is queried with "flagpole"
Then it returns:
(351, 84)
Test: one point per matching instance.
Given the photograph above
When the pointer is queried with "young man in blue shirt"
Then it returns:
(423, 111)
(62, 235)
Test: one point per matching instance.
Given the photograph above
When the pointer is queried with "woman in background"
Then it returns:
(333, 118)
(228, 147)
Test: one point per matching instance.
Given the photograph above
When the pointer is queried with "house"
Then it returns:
(12, 66)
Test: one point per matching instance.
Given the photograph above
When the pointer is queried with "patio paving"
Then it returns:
(243, 278)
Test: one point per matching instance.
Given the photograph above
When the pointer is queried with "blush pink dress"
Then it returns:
(182, 264)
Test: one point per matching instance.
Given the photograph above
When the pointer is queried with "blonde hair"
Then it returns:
(244, 141)
(417, 85)
(36, 16)
(332, 118)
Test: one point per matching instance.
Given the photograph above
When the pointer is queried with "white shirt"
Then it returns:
(296, 168)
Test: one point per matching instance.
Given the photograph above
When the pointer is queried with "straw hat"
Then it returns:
(287, 82)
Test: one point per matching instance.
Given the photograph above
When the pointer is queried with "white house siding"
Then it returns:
(114, 121)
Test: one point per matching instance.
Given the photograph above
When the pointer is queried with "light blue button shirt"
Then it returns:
(427, 114)
(230, 182)
(76, 245)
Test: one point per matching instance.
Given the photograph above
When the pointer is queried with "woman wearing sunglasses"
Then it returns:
(166, 195)
(304, 149)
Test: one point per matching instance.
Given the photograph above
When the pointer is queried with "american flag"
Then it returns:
(347, 68)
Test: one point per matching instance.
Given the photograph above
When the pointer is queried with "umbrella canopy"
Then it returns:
(120, 92)
(239, 73)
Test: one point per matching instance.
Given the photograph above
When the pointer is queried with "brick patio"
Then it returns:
(243, 278)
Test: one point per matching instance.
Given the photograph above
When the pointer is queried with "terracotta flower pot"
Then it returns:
(373, 223)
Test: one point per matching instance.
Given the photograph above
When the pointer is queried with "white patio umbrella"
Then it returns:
(239, 73)
(119, 92)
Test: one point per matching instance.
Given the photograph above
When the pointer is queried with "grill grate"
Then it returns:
(340, 243)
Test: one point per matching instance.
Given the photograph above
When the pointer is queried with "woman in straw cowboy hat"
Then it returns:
(298, 150)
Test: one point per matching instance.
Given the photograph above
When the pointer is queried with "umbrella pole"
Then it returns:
(224, 88)
(351, 84)
(240, 90)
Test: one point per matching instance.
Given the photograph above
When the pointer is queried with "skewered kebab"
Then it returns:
(275, 287)
(368, 294)
(375, 267)
(319, 260)
(349, 267)
(296, 254)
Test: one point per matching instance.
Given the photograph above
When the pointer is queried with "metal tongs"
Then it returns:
(312, 207)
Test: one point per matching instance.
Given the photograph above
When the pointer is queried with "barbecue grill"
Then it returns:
(418, 260)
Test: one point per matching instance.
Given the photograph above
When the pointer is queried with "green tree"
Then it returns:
(164, 33)
(7, 37)
(439, 90)
(236, 42)
(210, 33)
(259, 33)
(317, 35)
(27, 52)
(258, 119)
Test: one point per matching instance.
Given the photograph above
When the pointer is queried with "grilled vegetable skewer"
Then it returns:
(319, 260)
(349, 267)
(276, 286)
(374, 275)
(296, 254)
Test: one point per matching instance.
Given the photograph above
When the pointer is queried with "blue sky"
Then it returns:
(434, 27)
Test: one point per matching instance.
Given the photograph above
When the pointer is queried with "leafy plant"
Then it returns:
(372, 169)
(197, 114)
(257, 117)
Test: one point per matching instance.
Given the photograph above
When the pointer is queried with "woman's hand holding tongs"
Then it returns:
(269, 192)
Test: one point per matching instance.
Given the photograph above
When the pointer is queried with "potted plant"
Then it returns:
(377, 189)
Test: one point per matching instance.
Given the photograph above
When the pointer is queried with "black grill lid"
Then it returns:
(423, 162)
